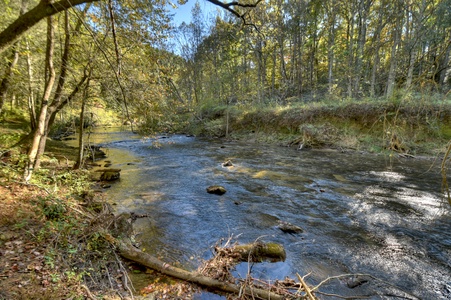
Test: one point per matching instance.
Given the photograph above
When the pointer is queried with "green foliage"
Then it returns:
(78, 181)
(52, 208)
(8, 140)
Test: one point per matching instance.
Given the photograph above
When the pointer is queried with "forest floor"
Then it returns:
(50, 241)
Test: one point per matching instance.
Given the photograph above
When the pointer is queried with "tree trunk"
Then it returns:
(129, 252)
(33, 157)
(364, 6)
(376, 45)
(113, 30)
(59, 89)
(350, 38)
(57, 103)
(445, 69)
(393, 60)
(330, 52)
(31, 99)
(79, 162)
(4, 85)
(411, 67)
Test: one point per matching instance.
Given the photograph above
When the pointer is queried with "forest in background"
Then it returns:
(240, 69)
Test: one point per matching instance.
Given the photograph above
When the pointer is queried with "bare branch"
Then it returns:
(230, 7)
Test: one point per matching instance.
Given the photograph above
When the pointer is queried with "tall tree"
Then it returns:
(33, 158)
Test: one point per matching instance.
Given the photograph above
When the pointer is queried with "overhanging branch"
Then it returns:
(32, 17)
(230, 7)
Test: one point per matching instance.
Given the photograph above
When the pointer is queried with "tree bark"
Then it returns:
(59, 89)
(31, 99)
(129, 252)
(4, 84)
(364, 7)
(331, 45)
(377, 44)
(79, 162)
(33, 158)
(393, 60)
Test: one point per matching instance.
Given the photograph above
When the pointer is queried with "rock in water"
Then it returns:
(227, 164)
(110, 175)
(289, 228)
(216, 189)
(356, 281)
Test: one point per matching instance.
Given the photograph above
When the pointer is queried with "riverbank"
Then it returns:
(51, 232)
(415, 126)
(49, 242)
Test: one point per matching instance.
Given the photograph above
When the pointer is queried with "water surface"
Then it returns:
(366, 214)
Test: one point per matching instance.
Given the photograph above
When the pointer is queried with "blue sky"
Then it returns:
(183, 12)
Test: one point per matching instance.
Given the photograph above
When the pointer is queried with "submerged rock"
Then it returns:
(356, 281)
(289, 228)
(216, 189)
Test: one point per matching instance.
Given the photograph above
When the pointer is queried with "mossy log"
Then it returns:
(129, 252)
(258, 252)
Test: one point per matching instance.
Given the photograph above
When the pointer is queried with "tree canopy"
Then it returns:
(136, 61)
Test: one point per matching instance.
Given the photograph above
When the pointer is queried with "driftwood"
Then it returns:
(129, 252)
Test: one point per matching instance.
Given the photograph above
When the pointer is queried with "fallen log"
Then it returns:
(129, 252)
(258, 252)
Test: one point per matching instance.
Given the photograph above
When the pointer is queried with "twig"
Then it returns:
(88, 292)
(342, 297)
(109, 277)
(307, 290)
(125, 276)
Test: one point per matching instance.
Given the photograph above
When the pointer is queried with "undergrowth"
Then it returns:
(50, 241)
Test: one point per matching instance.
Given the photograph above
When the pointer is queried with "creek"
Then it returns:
(360, 213)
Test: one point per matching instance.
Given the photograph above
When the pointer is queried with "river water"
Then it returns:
(361, 213)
